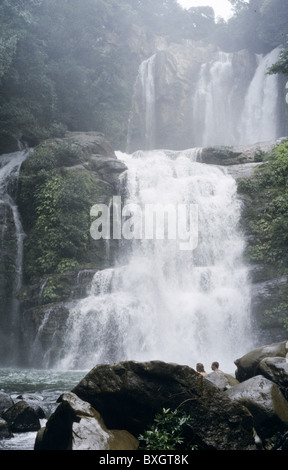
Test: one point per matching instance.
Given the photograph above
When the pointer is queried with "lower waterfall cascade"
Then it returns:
(160, 302)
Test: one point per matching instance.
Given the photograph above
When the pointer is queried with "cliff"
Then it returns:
(59, 183)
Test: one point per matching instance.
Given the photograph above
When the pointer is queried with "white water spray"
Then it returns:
(10, 165)
(227, 108)
(164, 303)
(223, 115)
(214, 113)
(259, 120)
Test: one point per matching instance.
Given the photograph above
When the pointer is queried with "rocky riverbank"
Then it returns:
(113, 404)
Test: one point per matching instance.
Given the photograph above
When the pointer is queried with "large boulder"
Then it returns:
(129, 394)
(76, 425)
(248, 365)
(236, 155)
(265, 402)
(91, 142)
(21, 417)
(221, 380)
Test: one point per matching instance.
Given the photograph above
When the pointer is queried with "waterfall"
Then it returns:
(259, 120)
(225, 112)
(145, 87)
(11, 255)
(214, 113)
(161, 302)
(229, 100)
(146, 75)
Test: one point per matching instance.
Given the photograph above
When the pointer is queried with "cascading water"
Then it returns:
(147, 81)
(167, 303)
(219, 116)
(214, 113)
(259, 120)
(11, 235)
(145, 85)
(232, 102)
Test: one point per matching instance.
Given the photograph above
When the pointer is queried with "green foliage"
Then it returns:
(257, 25)
(167, 431)
(69, 65)
(55, 205)
(281, 66)
(267, 219)
(269, 190)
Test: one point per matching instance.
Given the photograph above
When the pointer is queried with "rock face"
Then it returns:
(85, 171)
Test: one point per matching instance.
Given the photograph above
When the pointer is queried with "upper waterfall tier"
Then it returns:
(195, 95)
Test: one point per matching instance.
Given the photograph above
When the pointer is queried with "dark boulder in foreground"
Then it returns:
(129, 394)
(76, 425)
(114, 404)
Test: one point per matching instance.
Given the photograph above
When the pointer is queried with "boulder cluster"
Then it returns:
(248, 412)
(113, 404)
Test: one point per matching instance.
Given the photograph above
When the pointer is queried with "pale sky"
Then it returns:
(221, 7)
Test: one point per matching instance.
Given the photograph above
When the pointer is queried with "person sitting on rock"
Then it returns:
(200, 369)
(215, 367)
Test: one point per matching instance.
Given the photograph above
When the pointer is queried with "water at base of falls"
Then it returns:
(43, 387)
(160, 302)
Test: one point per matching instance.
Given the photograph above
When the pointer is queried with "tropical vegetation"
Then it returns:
(266, 221)
(71, 65)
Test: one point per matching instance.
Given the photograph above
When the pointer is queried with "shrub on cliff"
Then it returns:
(54, 204)
(266, 218)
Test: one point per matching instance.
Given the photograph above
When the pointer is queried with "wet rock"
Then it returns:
(5, 402)
(76, 425)
(33, 402)
(265, 402)
(276, 370)
(248, 365)
(21, 417)
(233, 155)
